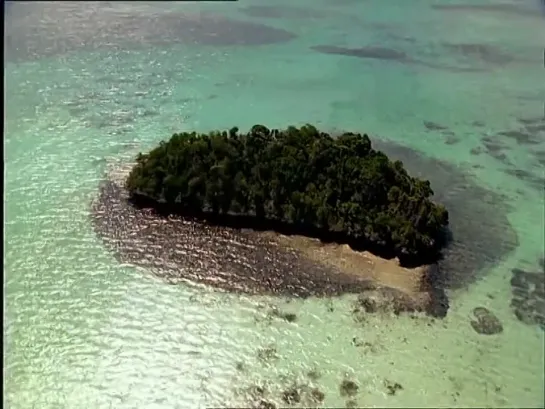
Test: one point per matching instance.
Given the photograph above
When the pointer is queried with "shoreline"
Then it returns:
(253, 262)
(250, 222)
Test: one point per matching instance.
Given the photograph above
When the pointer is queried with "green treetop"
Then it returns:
(298, 176)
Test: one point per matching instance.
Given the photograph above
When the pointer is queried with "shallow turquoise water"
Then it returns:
(83, 331)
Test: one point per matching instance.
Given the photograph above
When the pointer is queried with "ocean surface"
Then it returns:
(89, 83)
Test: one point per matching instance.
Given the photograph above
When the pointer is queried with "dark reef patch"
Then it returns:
(513, 9)
(495, 149)
(534, 128)
(521, 137)
(348, 388)
(476, 151)
(530, 121)
(433, 126)
(392, 387)
(493, 144)
(528, 295)
(387, 54)
(377, 53)
(282, 12)
(483, 52)
(540, 157)
(532, 134)
(482, 234)
(485, 322)
(451, 139)
(527, 177)
(390, 300)
(34, 30)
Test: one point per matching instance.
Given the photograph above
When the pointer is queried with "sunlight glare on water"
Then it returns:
(88, 83)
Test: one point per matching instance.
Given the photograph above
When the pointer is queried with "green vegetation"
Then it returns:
(299, 177)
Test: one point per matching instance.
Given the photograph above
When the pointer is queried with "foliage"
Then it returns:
(299, 176)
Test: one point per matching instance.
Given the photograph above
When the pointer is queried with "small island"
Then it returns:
(294, 181)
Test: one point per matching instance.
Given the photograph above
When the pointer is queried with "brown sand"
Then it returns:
(360, 264)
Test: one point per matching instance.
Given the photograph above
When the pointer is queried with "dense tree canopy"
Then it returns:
(299, 176)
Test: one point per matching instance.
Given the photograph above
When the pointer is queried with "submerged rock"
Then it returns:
(291, 395)
(433, 126)
(314, 374)
(378, 53)
(300, 393)
(348, 388)
(392, 300)
(255, 396)
(486, 322)
(267, 354)
(317, 395)
(264, 404)
(392, 387)
(388, 300)
(286, 316)
(528, 296)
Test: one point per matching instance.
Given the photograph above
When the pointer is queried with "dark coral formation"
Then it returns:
(377, 299)
(485, 322)
(518, 9)
(388, 54)
(373, 52)
(264, 404)
(532, 133)
(532, 179)
(522, 137)
(267, 354)
(451, 139)
(291, 395)
(282, 12)
(351, 403)
(450, 136)
(528, 296)
(256, 397)
(433, 126)
(297, 393)
(392, 387)
(494, 147)
(483, 52)
(348, 388)
(286, 316)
